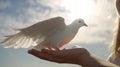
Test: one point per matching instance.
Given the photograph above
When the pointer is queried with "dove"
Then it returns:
(50, 33)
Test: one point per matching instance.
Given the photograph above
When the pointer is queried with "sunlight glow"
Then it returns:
(79, 8)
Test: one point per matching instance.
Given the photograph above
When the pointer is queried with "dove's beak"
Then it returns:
(86, 25)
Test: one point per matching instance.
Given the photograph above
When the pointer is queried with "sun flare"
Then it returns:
(79, 8)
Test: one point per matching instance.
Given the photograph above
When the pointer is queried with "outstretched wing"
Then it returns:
(36, 33)
(46, 27)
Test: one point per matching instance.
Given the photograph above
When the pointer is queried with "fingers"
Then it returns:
(58, 56)
(46, 56)
(62, 56)
(36, 53)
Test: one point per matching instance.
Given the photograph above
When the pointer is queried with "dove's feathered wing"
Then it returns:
(35, 34)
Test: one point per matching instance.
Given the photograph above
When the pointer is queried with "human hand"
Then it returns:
(62, 56)
(73, 56)
(118, 6)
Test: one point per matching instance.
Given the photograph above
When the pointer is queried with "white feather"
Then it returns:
(50, 32)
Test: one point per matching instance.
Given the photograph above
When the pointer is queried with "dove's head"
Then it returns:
(80, 22)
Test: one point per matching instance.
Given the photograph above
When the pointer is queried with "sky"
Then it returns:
(100, 16)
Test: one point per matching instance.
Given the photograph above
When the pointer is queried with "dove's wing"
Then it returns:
(35, 34)
(46, 27)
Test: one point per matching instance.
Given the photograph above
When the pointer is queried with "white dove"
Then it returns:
(51, 33)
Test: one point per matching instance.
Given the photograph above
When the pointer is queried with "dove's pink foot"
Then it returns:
(57, 49)
(50, 48)
(64, 49)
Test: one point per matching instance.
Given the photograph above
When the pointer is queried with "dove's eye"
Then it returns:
(79, 21)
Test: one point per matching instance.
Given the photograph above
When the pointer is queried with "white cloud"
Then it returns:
(100, 23)
(99, 28)
(38, 10)
(50, 3)
(43, 9)
(8, 23)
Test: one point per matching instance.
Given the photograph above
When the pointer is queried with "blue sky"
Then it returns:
(98, 14)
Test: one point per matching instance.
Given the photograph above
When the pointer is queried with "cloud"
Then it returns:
(43, 9)
(26, 13)
(4, 5)
(100, 24)
(23, 13)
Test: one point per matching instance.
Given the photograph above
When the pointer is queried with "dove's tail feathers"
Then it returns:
(18, 40)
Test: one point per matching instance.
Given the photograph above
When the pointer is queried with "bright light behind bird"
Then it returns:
(79, 8)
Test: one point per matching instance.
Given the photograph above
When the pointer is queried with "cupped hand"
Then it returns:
(62, 56)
